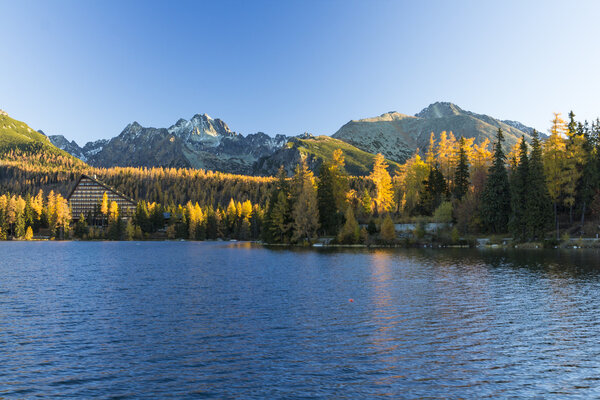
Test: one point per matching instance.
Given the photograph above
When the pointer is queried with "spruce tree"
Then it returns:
(81, 227)
(519, 192)
(305, 211)
(331, 192)
(329, 217)
(461, 176)
(495, 199)
(590, 176)
(539, 205)
(277, 224)
(434, 192)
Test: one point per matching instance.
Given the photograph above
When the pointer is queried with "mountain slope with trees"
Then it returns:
(397, 136)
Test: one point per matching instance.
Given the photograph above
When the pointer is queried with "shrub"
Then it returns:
(388, 230)
(443, 214)
(350, 233)
(454, 235)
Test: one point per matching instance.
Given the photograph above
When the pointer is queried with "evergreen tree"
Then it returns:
(495, 201)
(329, 216)
(280, 224)
(574, 163)
(590, 171)
(278, 217)
(539, 205)
(331, 193)
(519, 191)
(461, 176)
(81, 227)
(142, 218)
(434, 191)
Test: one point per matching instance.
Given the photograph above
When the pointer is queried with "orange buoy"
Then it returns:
(351, 300)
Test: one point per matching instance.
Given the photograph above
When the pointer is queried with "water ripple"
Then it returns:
(213, 320)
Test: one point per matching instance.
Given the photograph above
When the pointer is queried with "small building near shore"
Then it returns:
(86, 197)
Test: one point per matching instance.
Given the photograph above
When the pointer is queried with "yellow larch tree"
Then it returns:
(411, 181)
(554, 162)
(446, 155)
(384, 192)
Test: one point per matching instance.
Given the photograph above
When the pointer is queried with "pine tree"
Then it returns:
(518, 194)
(81, 227)
(461, 176)
(278, 219)
(331, 193)
(495, 201)
(574, 162)
(539, 205)
(433, 193)
(590, 178)
(329, 217)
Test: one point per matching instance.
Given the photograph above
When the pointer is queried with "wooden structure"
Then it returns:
(86, 197)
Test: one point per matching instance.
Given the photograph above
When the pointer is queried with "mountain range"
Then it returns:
(204, 142)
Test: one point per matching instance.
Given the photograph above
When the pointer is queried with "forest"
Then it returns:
(548, 189)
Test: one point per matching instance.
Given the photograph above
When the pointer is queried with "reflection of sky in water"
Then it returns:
(234, 320)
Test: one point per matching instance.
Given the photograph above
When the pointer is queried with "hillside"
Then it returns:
(16, 138)
(397, 135)
(14, 134)
(316, 150)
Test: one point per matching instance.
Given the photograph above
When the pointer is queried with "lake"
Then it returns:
(232, 320)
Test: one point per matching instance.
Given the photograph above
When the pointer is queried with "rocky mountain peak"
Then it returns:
(440, 109)
(2, 112)
(133, 126)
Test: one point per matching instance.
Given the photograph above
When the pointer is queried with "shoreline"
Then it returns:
(572, 244)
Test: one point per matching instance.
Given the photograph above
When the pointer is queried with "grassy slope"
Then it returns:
(358, 162)
(15, 133)
(18, 135)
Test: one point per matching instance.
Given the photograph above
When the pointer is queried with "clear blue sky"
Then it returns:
(86, 69)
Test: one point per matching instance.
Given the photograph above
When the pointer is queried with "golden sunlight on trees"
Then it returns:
(384, 194)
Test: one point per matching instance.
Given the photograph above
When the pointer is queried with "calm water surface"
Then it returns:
(222, 320)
